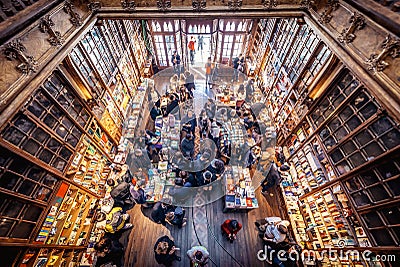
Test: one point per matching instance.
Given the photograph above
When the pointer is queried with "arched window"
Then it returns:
(240, 26)
(164, 41)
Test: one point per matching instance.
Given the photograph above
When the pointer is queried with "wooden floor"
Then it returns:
(203, 228)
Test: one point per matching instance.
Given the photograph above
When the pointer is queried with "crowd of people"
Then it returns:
(194, 166)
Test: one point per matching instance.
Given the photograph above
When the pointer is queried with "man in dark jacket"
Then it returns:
(271, 179)
(187, 146)
(190, 123)
(173, 105)
(176, 61)
(189, 83)
(159, 212)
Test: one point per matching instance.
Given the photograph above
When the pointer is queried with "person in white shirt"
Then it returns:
(198, 256)
(275, 230)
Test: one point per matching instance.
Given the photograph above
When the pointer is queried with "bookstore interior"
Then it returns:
(203, 133)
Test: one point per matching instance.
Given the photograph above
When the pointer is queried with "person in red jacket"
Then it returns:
(230, 228)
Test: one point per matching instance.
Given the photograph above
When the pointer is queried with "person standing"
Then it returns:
(201, 43)
(230, 228)
(187, 146)
(209, 69)
(190, 123)
(204, 124)
(176, 61)
(192, 49)
(198, 256)
(236, 63)
(165, 251)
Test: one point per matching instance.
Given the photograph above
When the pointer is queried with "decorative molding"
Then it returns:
(326, 16)
(391, 47)
(199, 5)
(46, 25)
(164, 5)
(307, 3)
(16, 50)
(94, 6)
(75, 19)
(129, 5)
(357, 23)
(269, 4)
(235, 4)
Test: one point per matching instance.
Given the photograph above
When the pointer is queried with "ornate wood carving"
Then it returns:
(16, 50)
(129, 5)
(326, 16)
(269, 4)
(199, 5)
(94, 6)
(306, 3)
(235, 4)
(75, 17)
(46, 25)
(391, 47)
(164, 5)
(357, 23)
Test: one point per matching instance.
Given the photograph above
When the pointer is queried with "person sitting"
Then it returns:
(176, 217)
(165, 251)
(198, 256)
(230, 228)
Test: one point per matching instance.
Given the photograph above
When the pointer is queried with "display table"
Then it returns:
(161, 177)
(240, 193)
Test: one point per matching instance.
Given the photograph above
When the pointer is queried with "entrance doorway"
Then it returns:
(203, 48)
(201, 32)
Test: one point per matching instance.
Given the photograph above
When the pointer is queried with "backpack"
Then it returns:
(114, 220)
(121, 191)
